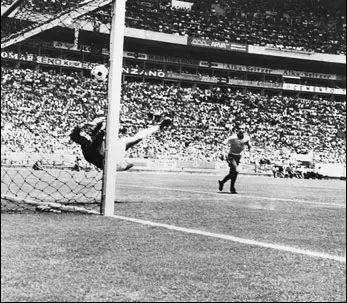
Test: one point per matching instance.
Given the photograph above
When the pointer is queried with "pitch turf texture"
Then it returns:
(191, 245)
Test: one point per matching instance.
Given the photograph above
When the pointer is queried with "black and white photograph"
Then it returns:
(173, 151)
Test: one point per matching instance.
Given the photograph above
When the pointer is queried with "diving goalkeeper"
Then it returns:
(93, 145)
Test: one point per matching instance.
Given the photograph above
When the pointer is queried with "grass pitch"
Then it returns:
(79, 258)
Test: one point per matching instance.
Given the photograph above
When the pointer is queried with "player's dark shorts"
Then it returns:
(231, 157)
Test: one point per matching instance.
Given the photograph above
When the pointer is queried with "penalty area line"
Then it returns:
(283, 248)
(239, 195)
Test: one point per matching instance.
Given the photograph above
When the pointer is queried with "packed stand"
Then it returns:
(301, 25)
(307, 25)
(39, 109)
(44, 6)
(30, 13)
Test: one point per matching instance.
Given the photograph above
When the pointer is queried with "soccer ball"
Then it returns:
(100, 72)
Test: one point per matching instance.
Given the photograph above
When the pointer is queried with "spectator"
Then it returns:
(300, 25)
(39, 109)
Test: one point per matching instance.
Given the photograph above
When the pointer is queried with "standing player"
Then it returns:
(237, 142)
(93, 145)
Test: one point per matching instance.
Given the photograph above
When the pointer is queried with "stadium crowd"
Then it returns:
(317, 26)
(304, 25)
(39, 109)
(45, 6)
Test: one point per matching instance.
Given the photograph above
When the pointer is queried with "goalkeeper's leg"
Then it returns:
(126, 143)
(131, 141)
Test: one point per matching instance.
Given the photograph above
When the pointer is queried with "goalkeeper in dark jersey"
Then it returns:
(93, 145)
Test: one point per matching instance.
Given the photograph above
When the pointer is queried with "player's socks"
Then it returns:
(151, 130)
(146, 132)
(221, 184)
(232, 183)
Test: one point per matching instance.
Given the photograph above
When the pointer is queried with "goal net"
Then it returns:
(41, 168)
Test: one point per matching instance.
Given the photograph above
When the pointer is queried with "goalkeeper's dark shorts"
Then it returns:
(232, 157)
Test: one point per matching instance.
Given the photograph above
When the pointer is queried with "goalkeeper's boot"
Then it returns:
(124, 165)
(165, 123)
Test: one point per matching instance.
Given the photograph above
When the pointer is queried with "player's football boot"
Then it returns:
(233, 191)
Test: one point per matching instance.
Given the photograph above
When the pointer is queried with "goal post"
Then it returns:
(114, 100)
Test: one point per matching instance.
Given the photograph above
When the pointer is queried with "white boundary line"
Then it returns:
(308, 253)
(236, 196)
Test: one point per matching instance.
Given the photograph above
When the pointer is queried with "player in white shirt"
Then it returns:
(237, 143)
